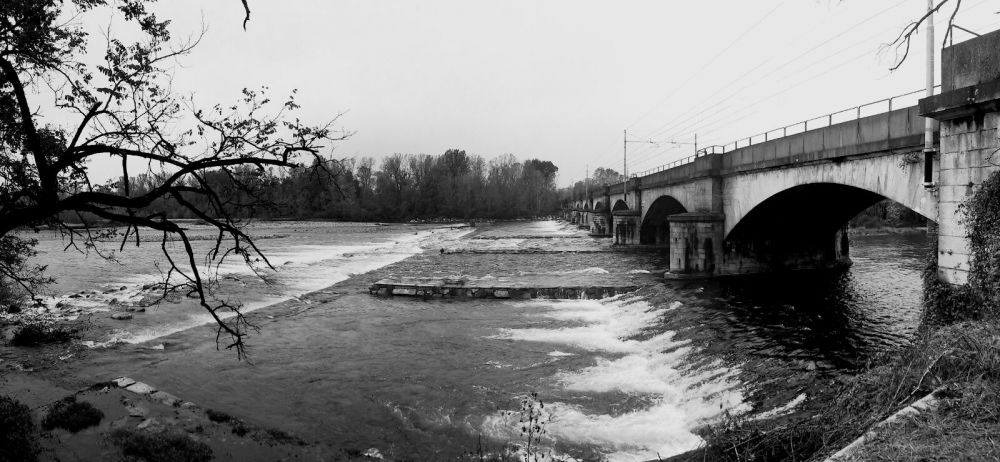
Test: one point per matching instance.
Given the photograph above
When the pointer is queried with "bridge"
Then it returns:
(781, 201)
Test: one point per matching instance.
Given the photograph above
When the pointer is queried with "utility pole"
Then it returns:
(625, 165)
(625, 142)
(929, 122)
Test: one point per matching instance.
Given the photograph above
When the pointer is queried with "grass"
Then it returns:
(965, 426)
(17, 432)
(72, 415)
(35, 334)
(161, 447)
(962, 356)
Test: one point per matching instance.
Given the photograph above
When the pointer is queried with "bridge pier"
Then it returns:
(695, 243)
(600, 225)
(626, 227)
(968, 109)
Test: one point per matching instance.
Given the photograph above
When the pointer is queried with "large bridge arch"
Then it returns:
(884, 177)
(655, 229)
(804, 226)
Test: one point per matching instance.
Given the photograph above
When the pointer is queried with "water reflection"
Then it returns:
(844, 316)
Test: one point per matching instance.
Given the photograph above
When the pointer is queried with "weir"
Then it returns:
(781, 200)
(491, 288)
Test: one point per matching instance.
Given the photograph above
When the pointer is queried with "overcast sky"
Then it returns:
(556, 79)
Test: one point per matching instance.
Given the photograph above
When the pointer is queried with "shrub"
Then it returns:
(72, 415)
(17, 432)
(36, 333)
(218, 416)
(161, 447)
(982, 221)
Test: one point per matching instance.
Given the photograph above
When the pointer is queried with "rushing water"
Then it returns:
(628, 378)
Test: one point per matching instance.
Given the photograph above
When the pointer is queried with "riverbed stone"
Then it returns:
(150, 425)
(122, 316)
(123, 382)
(136, 410)
(140, 388)
(165, 398)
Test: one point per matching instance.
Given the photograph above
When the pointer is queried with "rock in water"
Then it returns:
(122, 316)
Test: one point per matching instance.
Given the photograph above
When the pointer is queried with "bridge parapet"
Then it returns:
(889, 131)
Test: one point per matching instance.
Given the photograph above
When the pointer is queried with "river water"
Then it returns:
(627, 378)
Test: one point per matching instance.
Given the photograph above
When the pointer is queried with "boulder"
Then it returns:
(122, 316)
(140, 388)
(123, 382)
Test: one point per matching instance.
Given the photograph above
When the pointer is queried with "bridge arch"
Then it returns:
(600, 206)
(655, 230)
(882, 176)
(619, 205)
(799, 226)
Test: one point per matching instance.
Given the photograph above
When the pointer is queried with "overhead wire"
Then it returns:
(747, 75)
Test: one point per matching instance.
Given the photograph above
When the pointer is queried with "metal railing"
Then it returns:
(781, 132)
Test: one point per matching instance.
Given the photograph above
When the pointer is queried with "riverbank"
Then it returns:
(961, 362)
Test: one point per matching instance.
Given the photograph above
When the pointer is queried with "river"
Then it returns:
(627, 378)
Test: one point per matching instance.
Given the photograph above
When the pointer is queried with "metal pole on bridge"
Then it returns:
(625, 166)
(929, 122)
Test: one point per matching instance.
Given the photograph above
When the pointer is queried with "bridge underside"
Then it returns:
(804, 227)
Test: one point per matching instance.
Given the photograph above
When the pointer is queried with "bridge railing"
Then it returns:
(823, 121)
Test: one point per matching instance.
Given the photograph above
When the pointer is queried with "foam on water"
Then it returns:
(299, 269)
(628, 359)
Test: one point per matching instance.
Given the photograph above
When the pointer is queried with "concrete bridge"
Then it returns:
(783, 204)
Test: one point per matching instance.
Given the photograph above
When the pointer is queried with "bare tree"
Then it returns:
(125, 110)
(902, 41)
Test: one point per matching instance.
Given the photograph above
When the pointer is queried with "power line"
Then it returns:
(794, 59)
(707, 64)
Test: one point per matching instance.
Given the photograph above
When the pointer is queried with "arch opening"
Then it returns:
(619, 205)
(801, 227)
(655, 229)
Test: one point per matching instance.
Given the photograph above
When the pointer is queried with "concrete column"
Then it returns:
(695, 244)
(626, 227)
(968, 110)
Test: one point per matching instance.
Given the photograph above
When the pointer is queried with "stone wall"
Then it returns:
(968, 155)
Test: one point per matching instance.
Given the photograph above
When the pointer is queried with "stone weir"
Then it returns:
(491, 288)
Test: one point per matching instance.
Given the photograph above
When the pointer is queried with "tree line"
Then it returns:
(400, 187)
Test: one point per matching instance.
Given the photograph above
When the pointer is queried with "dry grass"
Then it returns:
(964, 427)
(959, 356)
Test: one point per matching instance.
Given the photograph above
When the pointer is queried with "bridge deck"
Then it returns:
(901, 129)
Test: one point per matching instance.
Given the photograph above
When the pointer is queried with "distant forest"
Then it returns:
(400, 187)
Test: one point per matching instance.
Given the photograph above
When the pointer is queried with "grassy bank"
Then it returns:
(962, 359)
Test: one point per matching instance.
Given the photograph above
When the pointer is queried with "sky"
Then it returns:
(558, 80)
